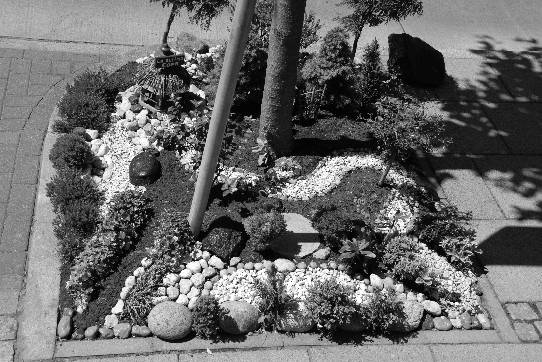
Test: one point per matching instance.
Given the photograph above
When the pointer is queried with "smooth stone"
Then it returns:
(341, 267)
(427, 323)
(399, 288)
(138, 272)
(332, 265)
(231, 269)
(240, 266)
(484, 321)
(411, 296)
(208, 285)
(205, 292)
(455, 322)
(172, 293)
(284, 265)
(194, 267)
(209, 272)
(224, 272)
(442, 323)
(258, 266)
(302, 265)
(420, 297)
(183, 299)
(388, 283)
(185, 285)
(106, 333)
(216, 262)
(376, 281)
(170, 321)
(249, 266)
(92, 133)
(146, 262)
(91, 332)
(299, 240)
(268, 265)
(214, 279)
(413, 312)
(203, 264)
(141, 331)
(366, 281)
(235, 260)
(238, 317)
(192, 302)
(103, 150)
(295, 318)
(118, 308)
(322, 253)
(68, 312)
(130, 281)
(78, 335)
(197, 279)
(185, 273)
(122, 330)
(111, 320)
(323, 266)
(144, 169)
(475, 323)
(432, 307)
(466, 320)
(194, 292)
(64, 327)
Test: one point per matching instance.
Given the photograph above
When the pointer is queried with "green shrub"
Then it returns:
(82, 109)
(335, 225)
(120, 80)
(401, 257)
(100, 83)
(70, 240)
(68, 187)
(205, 316)
(70, 151)
(373, 80)
(331, 305)
(447, 231)
(262, 228)
(381, 312)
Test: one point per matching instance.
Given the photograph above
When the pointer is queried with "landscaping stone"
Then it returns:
(118, 308)
(399, 288)
(239, 317)
(194, 267)
(432, 307)
(258, 266)
(197, 279)
(456, 323)
(172, 293)
(388, 283)
(484, 321)
(322, 253)
(413, 312)
(194, 292)
(91, 332)
(144, 169)
(442, 323)
(170, 321)
(130, 281)
(215, 262)
(203, 264)
(284, 265)
(295, 318)
(192, 302)
(235, 260)
(376, 281)
(299, 240)
(301, 265)
(526, 332)
(64, 327)
(111, 320)
(208, 285)
(249, 266)
(122, 330)
(428, 323)
(521, 311)
(466, 320)
(78, 335)
(106, 333)
(141, 331)
(183, 299)
(209, 272)
(185, 273)
(313, 265)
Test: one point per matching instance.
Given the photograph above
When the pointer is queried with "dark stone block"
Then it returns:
(415, 61)
(144, 169)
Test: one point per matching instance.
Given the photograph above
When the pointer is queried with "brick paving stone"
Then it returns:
(21, 101)
(21, 200)
(526, 332)
(9, 283)
(8, 302)
(61, 67)
(38, 89)
(539, 307)
(9, 137)
(522, 311)
(7, 157)
(4, 67)
(31, 139)
(6, 351)
(12, 124)
(41, 66)
(8, 327)
(5, 185)
(12, 263)
(40, 78)
(3, 207)
(15, 234)
(26, 170)
(11, 53)
(538, 325)
(16, 112)
(20, 66)
(17, 84)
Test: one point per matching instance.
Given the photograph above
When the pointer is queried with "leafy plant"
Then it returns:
(311, 26)
(356, 253)
(205, 316)
(82, 109)
(70, 151)
(335, 225)
(381, 312)
(262, 228)
(401, 257)
(274, 300)
(200, 12)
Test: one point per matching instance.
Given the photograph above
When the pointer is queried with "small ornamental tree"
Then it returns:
(375, 12)
(200, 12)
(401, 127)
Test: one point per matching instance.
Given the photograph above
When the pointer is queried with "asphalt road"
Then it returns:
(451, 26)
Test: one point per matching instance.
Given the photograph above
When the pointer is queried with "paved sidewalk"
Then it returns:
(31, 82)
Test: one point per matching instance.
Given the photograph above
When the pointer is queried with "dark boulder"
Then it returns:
(224, 238)
(415, 61)
(144, 169)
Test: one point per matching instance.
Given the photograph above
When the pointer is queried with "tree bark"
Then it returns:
(281, 75)
(355, 45)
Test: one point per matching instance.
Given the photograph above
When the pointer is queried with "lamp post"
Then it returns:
(244, 10)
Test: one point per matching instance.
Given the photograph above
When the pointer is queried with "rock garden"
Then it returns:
(342, 237)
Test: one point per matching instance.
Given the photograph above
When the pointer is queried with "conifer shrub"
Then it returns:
(70, 151)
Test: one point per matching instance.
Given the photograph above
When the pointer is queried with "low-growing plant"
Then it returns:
(381, 312)
(357, 254)
(331, 306)
(335, 225)
(70, 241)
(273, 300)
(70, 151)
(205, 317)
(262, 228)
(447, 231)
(401, 257)
(68, 187)
(82, 109)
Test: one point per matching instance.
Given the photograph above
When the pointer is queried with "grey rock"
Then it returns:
(215, 262)
(428, 323)
(141, 331)
(284, 265)
(239, 317)
(466, 320)
(170, 321)
(122, 330)
(484, 321)
(185, 285)
(235, 260)
(432, 307)
(413, 314)
(442, 323)
(376, 281)
(64, 327)
(106, 333)
(91, 332)
(209, 272)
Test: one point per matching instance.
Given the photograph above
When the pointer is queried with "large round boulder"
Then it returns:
(144, 169)
(295, 318)
(412, 315)
(238, 317)
(170, 321)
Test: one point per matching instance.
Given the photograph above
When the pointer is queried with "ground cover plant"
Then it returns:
(385, 255)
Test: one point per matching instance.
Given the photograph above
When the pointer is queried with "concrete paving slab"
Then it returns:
(6, 351)
(488, 353)
(520, 125)
(521, 73)
(512, 254)
(464, 187)
(268, 355)
(468, 127)
(148, 358)
(515, 183)
(371, 353)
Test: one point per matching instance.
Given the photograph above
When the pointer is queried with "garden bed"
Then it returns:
(313, 242)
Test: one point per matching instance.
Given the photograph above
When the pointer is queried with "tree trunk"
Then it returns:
(384, 174)
(281, 75)
(355, 45)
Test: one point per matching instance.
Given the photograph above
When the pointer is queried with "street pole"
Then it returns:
(242, 19)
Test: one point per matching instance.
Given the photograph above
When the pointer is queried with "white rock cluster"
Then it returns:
(240, 285)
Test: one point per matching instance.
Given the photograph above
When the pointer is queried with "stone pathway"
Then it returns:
(31, 82)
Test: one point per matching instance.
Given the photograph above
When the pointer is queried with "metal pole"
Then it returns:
(242, 18)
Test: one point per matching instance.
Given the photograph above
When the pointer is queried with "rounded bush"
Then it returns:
(82, 109)
(70, 151)
(206, 314)
(170, 321)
